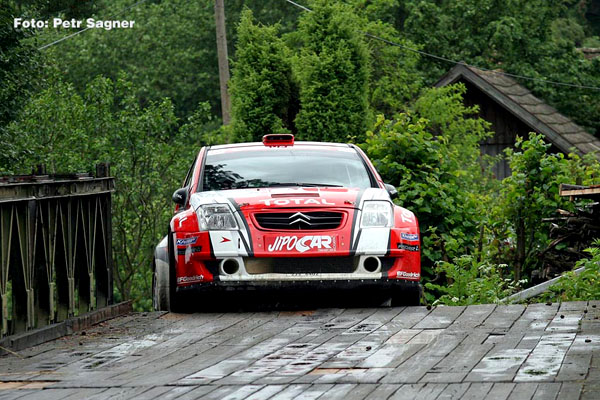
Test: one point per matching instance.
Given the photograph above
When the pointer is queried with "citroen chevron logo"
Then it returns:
(300, 218)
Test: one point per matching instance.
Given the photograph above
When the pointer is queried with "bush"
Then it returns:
(436, 170)
(583, 286)
(471, 282)
(517, 231)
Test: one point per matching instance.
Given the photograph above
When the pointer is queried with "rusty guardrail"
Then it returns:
(55, 248)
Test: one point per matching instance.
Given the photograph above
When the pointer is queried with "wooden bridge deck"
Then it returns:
(497, 352)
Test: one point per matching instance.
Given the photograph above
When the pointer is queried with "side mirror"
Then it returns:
(391, 189)
(180, 196)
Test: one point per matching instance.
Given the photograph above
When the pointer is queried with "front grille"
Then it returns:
(300, 265)
(310, 220)
(308, 265)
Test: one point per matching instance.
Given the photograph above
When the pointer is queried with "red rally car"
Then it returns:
(286, 215)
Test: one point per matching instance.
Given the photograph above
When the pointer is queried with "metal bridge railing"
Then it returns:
(55, 248)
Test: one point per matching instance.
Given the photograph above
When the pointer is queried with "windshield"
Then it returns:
(287, 166)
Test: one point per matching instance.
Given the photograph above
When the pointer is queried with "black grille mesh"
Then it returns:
(310, 220)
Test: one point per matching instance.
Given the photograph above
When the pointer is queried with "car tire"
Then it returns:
(175, 303)
(160, 286)
(408, 296)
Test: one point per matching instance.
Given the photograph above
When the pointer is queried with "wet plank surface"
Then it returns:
(497, 352)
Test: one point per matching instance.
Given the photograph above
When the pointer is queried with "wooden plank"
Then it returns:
(463, 358)
(443, 377)
(390, 355)
(504, 317)
(291, 392)
(590, 391)
(313, 392)
(500, 391)
(267, 392)
(441, 317)
(472, 317)
(338, 392)
(359, 392)
(523, 391)
(421, 391)
(476, 391)
(453, 391)
(242, 392)
(177, 392)
(410, 316)
(570, 391)
(575, 366)
(547, 391)
(498, 365)
(383, 391)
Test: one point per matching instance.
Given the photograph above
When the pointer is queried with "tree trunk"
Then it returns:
(223, 61)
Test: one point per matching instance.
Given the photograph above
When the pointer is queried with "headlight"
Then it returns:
(212, 217)
(377, 214)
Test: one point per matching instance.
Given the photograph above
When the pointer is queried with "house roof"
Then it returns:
(539, 116)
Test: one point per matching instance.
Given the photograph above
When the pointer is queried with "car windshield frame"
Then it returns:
(298, 146)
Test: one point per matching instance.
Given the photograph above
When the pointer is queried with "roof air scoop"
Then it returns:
(278, 140)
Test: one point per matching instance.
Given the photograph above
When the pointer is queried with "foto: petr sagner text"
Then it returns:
(89, 23)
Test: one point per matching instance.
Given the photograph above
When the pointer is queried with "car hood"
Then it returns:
(290, 197)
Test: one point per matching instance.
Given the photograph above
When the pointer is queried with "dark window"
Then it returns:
(287, 166)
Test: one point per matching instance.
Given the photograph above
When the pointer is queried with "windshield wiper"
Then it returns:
(302, 184)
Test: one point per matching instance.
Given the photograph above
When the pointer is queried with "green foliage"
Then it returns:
(333, 72)
(535, 38)
(471, 282)
(261, 88)
(20, 75)
(394, 77)
(428, 147)
(434, 165)
(583, 286)
(531, 194)
(68, 132)
(170, 52)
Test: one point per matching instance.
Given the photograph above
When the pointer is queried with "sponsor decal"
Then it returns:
(298, 202)
(186, 241)
(408, 247)
(407, 216)
(404, 274)
(190, 279)
(289, 243)
(195, 249)
(409, 236)
(224, 239)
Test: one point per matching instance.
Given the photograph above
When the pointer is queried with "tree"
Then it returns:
(426, 154)
(68, 132)
(534, 38)
(333, 72)
(262, 88)
(395, 79)
(530, 194)
(169, 52)
(20, 75)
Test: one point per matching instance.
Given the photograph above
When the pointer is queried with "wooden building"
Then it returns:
(513, 110)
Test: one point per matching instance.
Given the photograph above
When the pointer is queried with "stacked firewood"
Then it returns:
(572, 233)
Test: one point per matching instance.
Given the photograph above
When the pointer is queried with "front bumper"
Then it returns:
(382, 285)
(223, 256)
